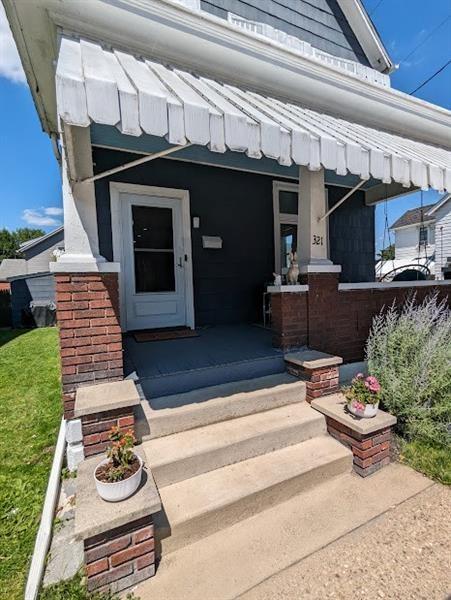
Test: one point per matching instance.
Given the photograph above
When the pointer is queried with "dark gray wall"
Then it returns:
(319, 22)
(237, 206)
(351, 236)
(27, 289)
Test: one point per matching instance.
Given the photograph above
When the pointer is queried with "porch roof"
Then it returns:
(138, 96)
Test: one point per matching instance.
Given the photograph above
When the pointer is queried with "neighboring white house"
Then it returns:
(422, 244)
(37, 255)
(441, 213)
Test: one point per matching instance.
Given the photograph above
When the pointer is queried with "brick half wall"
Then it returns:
(90, 332)
(333, 320)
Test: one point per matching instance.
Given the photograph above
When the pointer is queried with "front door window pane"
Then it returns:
(153, 249)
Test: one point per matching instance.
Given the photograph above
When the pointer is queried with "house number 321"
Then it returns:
(317, 240)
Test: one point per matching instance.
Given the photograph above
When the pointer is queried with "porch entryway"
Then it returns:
(219, 354)
(152, 240)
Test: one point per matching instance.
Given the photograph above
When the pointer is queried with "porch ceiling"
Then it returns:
(140, 96)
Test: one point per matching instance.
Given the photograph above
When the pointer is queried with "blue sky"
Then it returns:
(31, 190)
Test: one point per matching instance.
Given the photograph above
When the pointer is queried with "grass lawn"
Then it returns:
(30, 414)
(434, 461)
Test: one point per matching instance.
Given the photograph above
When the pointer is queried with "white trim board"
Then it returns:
(392, 284)
(116, 188)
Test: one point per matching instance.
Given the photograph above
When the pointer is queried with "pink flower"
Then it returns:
(372, 384)
(359, 406)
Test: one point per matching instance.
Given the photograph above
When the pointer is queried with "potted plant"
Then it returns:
(118, 476)
(363, 396)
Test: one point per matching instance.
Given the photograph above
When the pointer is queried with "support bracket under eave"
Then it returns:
(133, 163)
(340, 202)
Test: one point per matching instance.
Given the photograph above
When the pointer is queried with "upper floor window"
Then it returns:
(423, 236)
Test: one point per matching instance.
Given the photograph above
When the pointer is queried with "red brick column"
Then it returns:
(370, 452)
(318, 382)
(289, 319)
(121, 557)
(96, 428)
(90, 333)
(323, 327)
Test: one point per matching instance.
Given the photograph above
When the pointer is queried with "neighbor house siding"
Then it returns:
(39, 256)
(24, 290)
(442, 239)
(237, 206)
(319, 22)
(406, 244)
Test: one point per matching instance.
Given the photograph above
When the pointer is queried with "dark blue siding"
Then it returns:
(28, 289)
(351, 236)
(319, 22)
(237, 206)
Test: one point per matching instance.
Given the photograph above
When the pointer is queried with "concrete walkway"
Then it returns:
(255, 557)
(404, 554)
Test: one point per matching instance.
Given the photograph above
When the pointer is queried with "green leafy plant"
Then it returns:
(363, 390)
(120, 453)
(409, 351)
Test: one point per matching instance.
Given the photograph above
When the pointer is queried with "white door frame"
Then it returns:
(118, 188)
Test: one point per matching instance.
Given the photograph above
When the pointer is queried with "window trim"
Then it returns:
(424, 242)
(288, 219)
(282, 218)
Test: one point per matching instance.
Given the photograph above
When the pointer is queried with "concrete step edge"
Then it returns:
(190, 453)
(198, 507)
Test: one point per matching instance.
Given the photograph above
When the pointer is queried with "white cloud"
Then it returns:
(44, 217)
(10, 65)
(55, 211)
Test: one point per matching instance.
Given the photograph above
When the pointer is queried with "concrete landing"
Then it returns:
(232, 561)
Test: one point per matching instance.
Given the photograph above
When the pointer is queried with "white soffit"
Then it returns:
(140, 96)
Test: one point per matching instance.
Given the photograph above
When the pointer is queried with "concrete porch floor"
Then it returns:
(220, 354)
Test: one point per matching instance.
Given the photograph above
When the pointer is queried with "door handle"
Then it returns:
(180, 263)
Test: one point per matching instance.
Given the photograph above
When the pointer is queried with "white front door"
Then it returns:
(156, 277)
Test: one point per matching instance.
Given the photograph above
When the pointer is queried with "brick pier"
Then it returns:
(90, 333)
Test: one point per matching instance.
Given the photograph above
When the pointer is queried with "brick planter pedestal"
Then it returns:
(121, 557)
(118, 537)
(318, 370)
(370, 452)
(368, 439)
(101, 407)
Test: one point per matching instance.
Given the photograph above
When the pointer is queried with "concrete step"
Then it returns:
(228, 563)
(194, 378)
(190, 453)
(198, 507)
(171, 414)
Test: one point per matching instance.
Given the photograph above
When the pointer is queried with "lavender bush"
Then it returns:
(409, 351)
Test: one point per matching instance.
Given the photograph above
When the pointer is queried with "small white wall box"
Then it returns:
(196, 222)
(211, 241)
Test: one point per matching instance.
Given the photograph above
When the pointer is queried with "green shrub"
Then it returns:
(409, 351)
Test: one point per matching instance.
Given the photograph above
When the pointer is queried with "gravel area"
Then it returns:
(404, 554)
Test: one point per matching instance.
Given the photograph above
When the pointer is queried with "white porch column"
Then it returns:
(81, 239)
(313, 243)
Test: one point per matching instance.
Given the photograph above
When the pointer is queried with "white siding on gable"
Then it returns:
(406, 244)
(442, 238)
(40, 262)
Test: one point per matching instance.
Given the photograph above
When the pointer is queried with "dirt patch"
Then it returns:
(102, 472)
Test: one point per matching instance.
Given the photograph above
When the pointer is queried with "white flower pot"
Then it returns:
(369, 411)
(119, 490)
